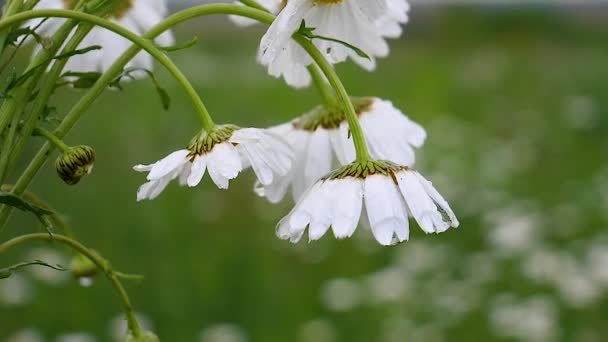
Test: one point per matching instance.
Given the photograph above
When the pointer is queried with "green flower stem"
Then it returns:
(326, 92)
(89, 98)
(142, 42)
(10, 8)
(15, 99)
(45, 93)
(7, 146)
(84, 103)
(253, 4)
(52, 138)
(317, 77)
(349, 109)
(97, 259)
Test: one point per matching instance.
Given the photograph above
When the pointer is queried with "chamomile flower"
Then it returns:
(224, 152)
(138, 16)
(388, 192)
(364, 24)
(321, 136)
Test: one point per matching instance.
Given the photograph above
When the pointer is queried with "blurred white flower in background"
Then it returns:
(388, 285)
(317, 330)
(26, 335)
(138, 16)
(341, 294)
(76, 337)
(45, 274)
(118, 326)
(534, 319)
(512, 231)
(224, 332)
(17, 290)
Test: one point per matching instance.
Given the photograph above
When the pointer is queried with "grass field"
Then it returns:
(516, 110)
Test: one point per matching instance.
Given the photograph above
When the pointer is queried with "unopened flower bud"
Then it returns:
(146, 336)
(75, 163)
(82, 267)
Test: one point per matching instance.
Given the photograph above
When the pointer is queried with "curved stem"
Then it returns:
(326, 92)
(45, 92)
(144, 43)
(52, 138)
(100, 262)
(175, 19)
(253, 4)
(349, 109)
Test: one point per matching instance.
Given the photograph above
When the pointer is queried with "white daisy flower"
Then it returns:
(138, 16)
(224, 152)
(295, 74)
(322, 135)
(391, 194)
(361, 23)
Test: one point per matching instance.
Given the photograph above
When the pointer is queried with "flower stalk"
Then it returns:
(94, 257)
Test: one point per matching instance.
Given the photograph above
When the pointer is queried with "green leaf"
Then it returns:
(181, 46)
(162, 93)
(17, 202)
(84, 80)
(14, 35)
(29, 73)
(308, 32)
(8, 271)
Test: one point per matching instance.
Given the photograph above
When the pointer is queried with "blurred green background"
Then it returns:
(514, 101)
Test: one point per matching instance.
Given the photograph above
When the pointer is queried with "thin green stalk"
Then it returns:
(349, 110)
(99, 261)
(16, 98)
(45, 93)
(89, 98)
(326, 92)
(10, 8)
(144, 43)
(7, 146)
(175, 19)
(52, 138)
(253, 4)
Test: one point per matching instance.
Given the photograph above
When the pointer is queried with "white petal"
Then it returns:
(347, 210)
(420, 204)
(168, 164)
(225, 160)
(197, 171)
(386, 210)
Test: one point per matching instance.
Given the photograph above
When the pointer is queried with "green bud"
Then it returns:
(146, 336)
(75, 163)
(83, 267)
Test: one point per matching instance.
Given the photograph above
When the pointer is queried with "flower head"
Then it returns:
(389, 133)
(138, 16)
(391, 194)
(224, 152)
(75, 163)
(361, 23)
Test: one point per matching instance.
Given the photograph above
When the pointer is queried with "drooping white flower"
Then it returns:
(364, 24)
(321, 136)
(390, 194)
(291, 64)
(138, 16)
(224, 152)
